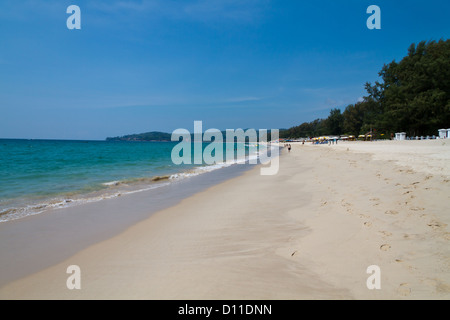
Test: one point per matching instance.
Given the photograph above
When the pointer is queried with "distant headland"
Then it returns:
(164, 136)
(147, 136)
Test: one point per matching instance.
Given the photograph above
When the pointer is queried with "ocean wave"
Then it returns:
(111, 183)
(10, 214)
(116, 188)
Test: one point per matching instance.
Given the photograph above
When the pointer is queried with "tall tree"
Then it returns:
(353, 119)
(413, 96)
(335, 122)
(415, 93)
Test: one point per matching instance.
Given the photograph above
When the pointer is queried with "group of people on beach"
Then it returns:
(332, 141)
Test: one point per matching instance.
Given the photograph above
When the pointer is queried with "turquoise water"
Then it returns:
(37, 175)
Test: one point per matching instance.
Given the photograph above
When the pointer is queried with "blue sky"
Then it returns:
(158, 65)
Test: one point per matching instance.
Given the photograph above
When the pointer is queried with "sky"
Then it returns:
(158, 65)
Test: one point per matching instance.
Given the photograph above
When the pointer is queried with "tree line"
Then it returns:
(413, 96)
(164, 136)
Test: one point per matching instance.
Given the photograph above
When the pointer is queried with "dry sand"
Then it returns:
(309, 232)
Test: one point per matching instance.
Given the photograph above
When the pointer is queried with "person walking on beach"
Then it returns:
(289, 147)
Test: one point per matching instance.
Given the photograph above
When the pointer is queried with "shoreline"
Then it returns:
(27, 245)
(38, 199)
(309, 232)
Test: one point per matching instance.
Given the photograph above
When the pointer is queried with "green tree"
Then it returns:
(413, 96)
(335, 122)
(353, 119)
(415, 93)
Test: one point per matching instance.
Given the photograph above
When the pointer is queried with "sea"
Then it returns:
(41, 175)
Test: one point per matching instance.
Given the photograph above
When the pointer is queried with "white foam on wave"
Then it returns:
(212, 167)
(10, 214)
(111, 183)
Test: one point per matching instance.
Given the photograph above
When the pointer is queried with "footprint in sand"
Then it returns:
(385, 247)
(442, 287)
(417, 209)
(438, 285)
(392, 212)
(353, 164)
(347, 205)
(376, 200)
(368, 224)
(436, 225)
(404, 289)
(385, 233)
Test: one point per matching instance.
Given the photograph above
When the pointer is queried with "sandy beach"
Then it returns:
(309, 232)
